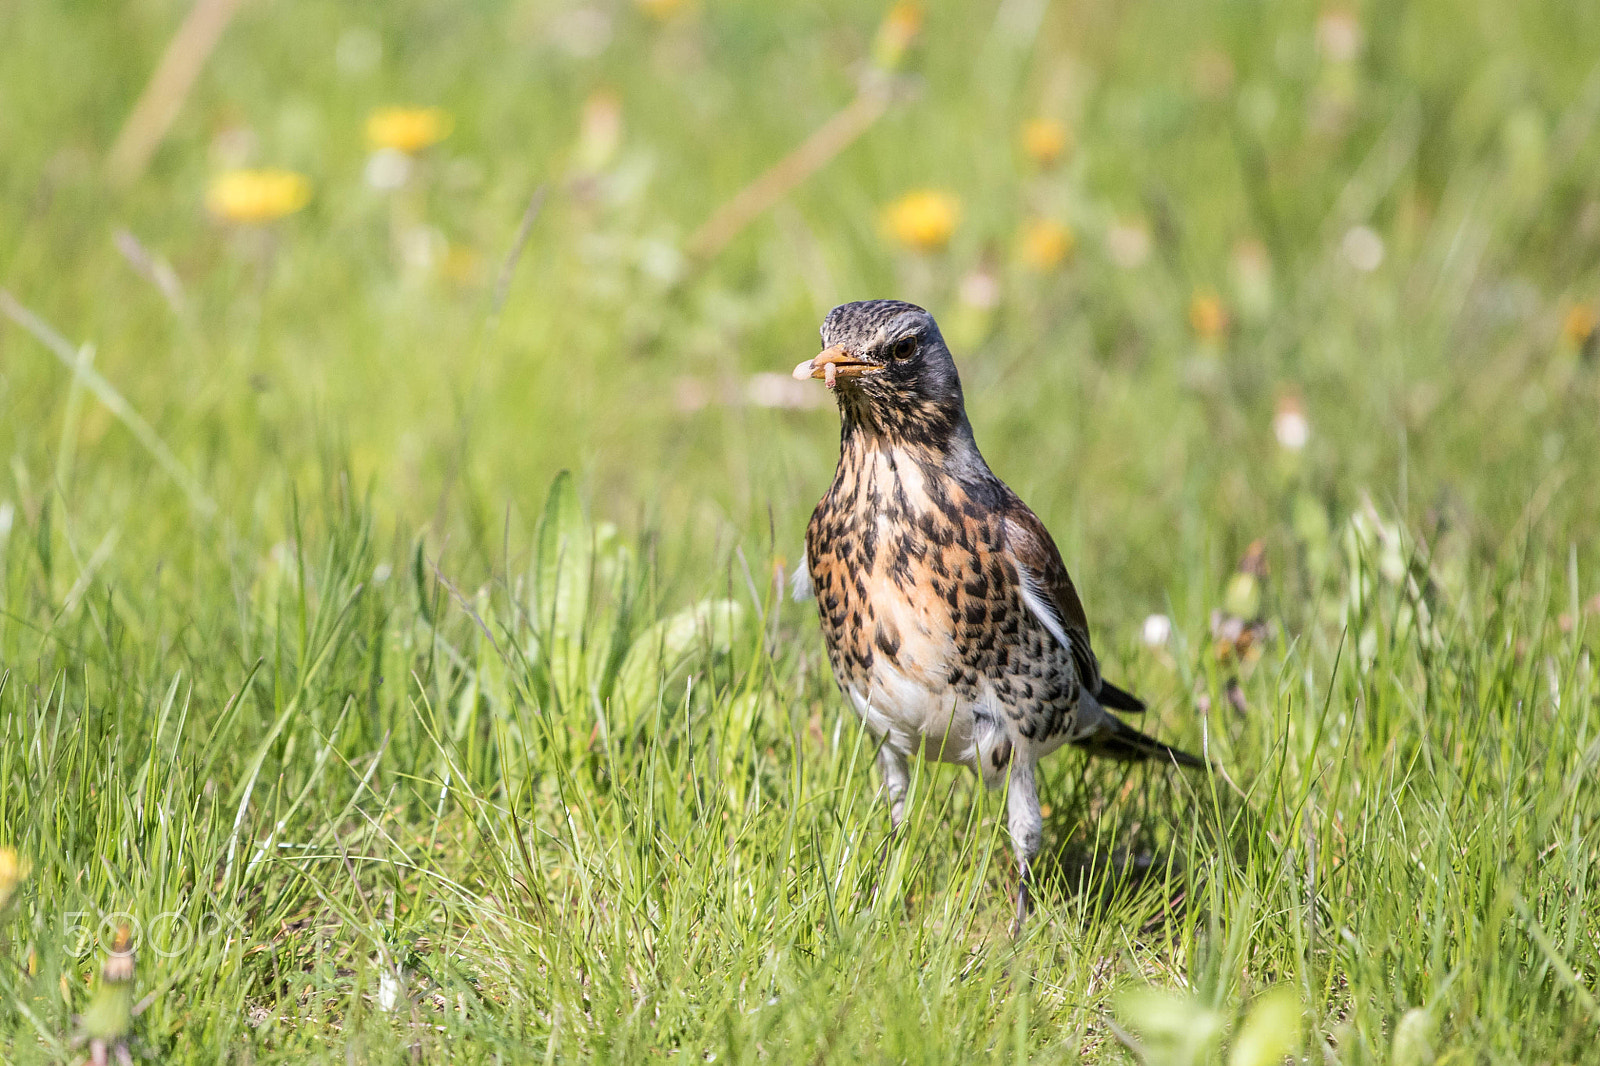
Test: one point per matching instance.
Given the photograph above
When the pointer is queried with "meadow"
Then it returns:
(401, 479)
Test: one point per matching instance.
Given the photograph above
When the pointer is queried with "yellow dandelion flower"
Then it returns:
(256, 196)
(408, 129)
(462, 265)
(1207, 317)
(1045, 140)
(13, 871)
(922, 220)
(897, 33)
(1579, 325)
(1045, 244)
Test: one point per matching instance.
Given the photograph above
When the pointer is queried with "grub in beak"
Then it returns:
(830, 365)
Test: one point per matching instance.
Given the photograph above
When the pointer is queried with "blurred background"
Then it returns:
(1197, 261)
(1282, 315)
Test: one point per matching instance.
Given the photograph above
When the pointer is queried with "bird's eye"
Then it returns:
(904, 348)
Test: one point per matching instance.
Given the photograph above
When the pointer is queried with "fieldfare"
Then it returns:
(950, 621)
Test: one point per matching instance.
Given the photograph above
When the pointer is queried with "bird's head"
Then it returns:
(889, 367)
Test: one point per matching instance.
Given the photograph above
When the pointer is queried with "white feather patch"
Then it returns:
(1042, 609)
(915, 721)
(800, 587)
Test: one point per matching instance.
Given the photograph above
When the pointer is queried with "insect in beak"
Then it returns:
(830, 365)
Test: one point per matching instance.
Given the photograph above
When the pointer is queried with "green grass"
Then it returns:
(394, 744)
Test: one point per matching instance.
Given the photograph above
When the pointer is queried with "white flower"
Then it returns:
(1157, 630)
(980, 289)
(1128, 244)
(389, 992)
(1338, 36)
(387, 169)
(1289, 423)
(781, 391)
(1363, 248)
(421, 247)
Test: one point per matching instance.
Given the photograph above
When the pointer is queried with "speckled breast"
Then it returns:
(925, 628)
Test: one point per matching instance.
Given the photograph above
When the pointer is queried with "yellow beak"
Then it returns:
(831, 364)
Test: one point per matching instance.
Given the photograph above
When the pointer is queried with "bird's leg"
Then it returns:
(896, 777)
(892, 765)
(1027, 829)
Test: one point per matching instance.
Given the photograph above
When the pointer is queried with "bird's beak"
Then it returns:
(832, 364)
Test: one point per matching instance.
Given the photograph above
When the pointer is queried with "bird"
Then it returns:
(950, 622)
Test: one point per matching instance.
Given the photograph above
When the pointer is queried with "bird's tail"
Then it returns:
(1115, 739)
(1118, 699)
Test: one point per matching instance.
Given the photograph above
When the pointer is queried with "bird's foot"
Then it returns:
(1024, 906)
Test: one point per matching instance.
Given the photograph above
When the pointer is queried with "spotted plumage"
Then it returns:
(950, 621)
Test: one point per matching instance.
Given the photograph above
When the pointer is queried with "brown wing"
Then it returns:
(1039, 565)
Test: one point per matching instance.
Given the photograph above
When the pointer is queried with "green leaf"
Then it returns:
(658, 653)
(561, 588)
(739, 719)
(1176, 1029)
(1271, 1031)
(562, 565)
(419, 579)
(1413, 1039)
(42, 539)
